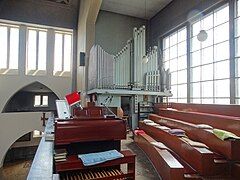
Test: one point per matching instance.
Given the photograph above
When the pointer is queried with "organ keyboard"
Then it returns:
(87, 132)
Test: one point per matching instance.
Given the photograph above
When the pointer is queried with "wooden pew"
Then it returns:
(235, 171)
(227, 123)
(166, 165)
(229, 149)
(228, 110)
(201, 159)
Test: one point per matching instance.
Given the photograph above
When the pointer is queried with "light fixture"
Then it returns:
(145, 59)
(202, 36)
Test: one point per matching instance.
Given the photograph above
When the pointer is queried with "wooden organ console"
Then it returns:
(90, 131)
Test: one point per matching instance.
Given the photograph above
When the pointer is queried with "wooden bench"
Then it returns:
(227, 110)
(229, 149)
(201, 159)
(165, 163)
(227, 123)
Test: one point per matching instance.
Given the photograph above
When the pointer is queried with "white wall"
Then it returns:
(15, 125)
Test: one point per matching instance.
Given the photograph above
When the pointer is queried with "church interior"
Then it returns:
(119, 89)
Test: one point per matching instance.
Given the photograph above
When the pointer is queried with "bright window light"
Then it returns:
(58, 51)
(37, 50)
(37, 100)
(45, 100)
(9, 47)
(42, 50)
(14, 44)
(3, 47)
(62, 52)
(175, 58)
(32, 50)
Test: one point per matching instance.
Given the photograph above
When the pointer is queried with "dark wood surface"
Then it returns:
(228, 110)
(71, 131)
(229, 149)
(227, 123)
(201, 159)
(74, 163)
(165, 163)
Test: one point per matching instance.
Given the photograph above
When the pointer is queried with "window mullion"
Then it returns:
(37, 50)
(8, 47)
(232, 5)
(188, 62)
(63, 52)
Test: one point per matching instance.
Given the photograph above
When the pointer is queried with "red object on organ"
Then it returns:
(73, 98)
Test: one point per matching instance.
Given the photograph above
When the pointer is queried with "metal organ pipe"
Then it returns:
(127, 65)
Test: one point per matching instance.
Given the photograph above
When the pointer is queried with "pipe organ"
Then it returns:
(131, 68)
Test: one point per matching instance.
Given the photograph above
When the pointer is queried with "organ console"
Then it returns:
(89, 131)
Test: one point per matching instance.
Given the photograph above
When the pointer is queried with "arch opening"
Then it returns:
(35, 97)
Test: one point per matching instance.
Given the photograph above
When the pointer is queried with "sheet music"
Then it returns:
(62, 109)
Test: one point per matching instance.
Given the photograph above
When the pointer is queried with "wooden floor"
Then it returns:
(144, 169)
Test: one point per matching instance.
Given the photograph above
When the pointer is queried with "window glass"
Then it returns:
(222, 70)
(45, 100)
(196, 90)
(42, 50)
(207, 89)
(3, 47)
(207, 55)
(182, 76)
(32, 50)
(37, 100)
(196, 74)
(210, 56)
(14, 44)
(207, 72)
(196, 59)
(207, 22)
(67, 52)
(222, 88)
(58, 52)
(221, 51)
(221, 15)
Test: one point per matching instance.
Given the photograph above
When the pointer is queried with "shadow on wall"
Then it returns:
(23, 148)
(34, 97)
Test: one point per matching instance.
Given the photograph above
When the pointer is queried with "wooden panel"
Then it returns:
(201, 159)
(217, 121)
(70, 131)
(88, 112)
(229, 149)
(228, 110)
(74, 163)
(236, 171)
(166, 165)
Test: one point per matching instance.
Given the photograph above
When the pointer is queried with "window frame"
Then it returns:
(41, 101)
(36, 71)
(231, 58)
(168, 35)
(7, 70)
(63, 72)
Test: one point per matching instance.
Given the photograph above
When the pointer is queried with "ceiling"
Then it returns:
(135, 8)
